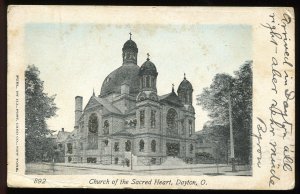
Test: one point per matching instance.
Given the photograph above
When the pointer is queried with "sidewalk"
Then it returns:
(139, 168)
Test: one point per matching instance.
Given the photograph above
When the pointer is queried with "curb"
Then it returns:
(141, 170)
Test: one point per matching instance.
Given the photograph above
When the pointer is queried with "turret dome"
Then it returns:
(185, 85)
(130, 45)
(148, 68)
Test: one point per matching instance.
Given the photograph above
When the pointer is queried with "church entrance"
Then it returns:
(173, 149)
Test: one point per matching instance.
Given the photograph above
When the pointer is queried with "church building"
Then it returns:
(129, 123)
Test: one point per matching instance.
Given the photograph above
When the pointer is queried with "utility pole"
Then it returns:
(217, 165)
(131, 155)
(231, 136)
(111, 145)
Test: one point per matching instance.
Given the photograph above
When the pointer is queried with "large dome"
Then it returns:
(125, 74)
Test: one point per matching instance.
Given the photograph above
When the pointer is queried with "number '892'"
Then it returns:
(39, 181)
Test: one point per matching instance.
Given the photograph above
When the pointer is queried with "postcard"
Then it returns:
(151, 97)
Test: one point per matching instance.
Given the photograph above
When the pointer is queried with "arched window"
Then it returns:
(153, 145)
(172, 122)
(116, 146)
(142, 97)
(144, 81)
(152, 119)
(105, 142)
(187, 97)
(191, 148)
(106, 127)
(182, 97)
(69, 148)
(153, 82)
(141, 83)
(93, 132)
(147, 81)
(142, 144)
(93, 123)
(190, 127)
(127, 146)
(182, 128)
(200, 140)
(142, 118)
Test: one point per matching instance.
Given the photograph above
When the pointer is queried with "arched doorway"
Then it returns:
(173, 148)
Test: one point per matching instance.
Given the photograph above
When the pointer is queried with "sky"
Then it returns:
(74, 59)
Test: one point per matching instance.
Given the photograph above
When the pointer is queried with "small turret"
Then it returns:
(185, 92)
(148, 75)
(147, 78)
(130, 51)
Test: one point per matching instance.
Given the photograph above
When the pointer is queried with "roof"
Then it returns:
(63, 135)
(163, 96)
(51, 136)
(171, 98)
(109, 106)
(130, 44)
(131, 111)
(185, 85)
(148, 68)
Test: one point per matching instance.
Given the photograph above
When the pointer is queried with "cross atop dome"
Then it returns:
(184, 76)
(148, 55)
(130, 51)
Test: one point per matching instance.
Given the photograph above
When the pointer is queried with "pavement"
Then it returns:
(188, 169)
(136, 167)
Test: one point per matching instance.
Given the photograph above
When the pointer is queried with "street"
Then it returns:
(50, 169)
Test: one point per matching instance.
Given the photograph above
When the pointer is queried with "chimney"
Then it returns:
(62, 129)
(78, 109)
(125, 88)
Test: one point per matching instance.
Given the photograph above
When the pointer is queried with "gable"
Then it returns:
(91, 104)
(95, 102)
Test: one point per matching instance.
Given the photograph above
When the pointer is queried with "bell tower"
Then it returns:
(147, 100)
(148, 75)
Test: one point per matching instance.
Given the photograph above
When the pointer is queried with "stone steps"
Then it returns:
(171, 161)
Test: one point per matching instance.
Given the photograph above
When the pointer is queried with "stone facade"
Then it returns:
(128, 122)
